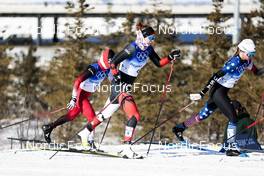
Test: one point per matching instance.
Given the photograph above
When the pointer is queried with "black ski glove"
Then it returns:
(175, 54)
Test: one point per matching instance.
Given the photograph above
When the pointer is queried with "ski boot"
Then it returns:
(92, 146)
(47, 129)
(178, 131)
(84, 135)
(233, 150)
(128, 153)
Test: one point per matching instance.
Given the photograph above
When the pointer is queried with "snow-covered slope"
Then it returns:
(171, 162)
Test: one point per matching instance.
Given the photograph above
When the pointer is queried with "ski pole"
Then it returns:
(258, 109)
(28, 119)
(104, 133)
(162, 123)
(161, 106)
(47, 113)
(35, 115)
(26, 140)
(247, 127)
(88, 122)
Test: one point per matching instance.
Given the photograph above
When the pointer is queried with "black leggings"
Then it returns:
(219, 99)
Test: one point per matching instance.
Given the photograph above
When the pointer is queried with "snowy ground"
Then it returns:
(32, 130)
(160, 162)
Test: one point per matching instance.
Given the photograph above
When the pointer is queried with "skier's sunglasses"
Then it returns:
(251, 54)
(151, 37)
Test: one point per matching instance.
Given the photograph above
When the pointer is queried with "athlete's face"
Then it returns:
(246, 56)
(150, 39)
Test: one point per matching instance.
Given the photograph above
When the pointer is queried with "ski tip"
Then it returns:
(234, 153)
(244, 155)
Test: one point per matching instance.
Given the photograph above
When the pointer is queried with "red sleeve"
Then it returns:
(86, 74)
(79, 79)
(164, 61)
(159, 62)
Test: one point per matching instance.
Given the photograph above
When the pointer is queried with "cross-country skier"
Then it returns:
(84, 85)
(130, 61)
(219, 85)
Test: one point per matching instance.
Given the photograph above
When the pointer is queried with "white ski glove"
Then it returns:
(195, 97)
(71, 104)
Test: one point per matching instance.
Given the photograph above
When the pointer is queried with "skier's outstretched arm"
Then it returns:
(229, 67)
(212, 81)
(160, 62)
(208, 86)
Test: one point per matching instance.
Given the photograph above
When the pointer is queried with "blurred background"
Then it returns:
(45, 44)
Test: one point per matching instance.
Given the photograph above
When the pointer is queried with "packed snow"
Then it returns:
(161, 161)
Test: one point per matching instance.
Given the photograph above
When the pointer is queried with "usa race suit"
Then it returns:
(220, 83)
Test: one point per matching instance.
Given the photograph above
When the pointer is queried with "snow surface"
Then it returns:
(161, 162)
(35, 132)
